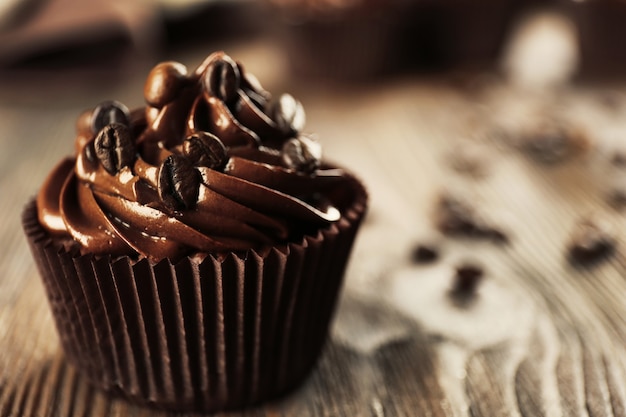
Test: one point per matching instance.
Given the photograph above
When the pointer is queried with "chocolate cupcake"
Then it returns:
(193, 250)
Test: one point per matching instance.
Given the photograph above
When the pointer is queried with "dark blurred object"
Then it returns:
(424, 253)
(209, 20)
(458, 33)
(601, 30)
(339, 39)
(67, 33)
(591, 242)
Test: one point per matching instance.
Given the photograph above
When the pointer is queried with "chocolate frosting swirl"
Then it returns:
(211, 165)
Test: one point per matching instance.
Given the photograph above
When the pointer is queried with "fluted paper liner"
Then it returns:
(206, 336)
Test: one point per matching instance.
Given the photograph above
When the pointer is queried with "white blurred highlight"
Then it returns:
(542, 52)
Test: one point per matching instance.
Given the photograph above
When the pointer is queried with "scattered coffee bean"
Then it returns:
(222, 79)
(302, 154)
(424, 253)
(164, 82)
(179, 183)
(464, 288)
(458, 218)
(467, 278)
(109, 112)
(548, 146)
(552, 143)
(114, 147)
(590, 244)
(205, 149)
(289, 115)
(465, 284)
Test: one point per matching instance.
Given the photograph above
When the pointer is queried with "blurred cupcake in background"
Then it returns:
(343, 39)
(459, 33)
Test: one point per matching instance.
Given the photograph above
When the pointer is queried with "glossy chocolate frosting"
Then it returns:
(211, 165)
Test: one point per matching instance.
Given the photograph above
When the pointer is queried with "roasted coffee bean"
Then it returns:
(548, 147)
(222, 79)
(205, 149)
(164, 83)
(114, 147)
(552, 143)
(90, 152)
(424, 253)
(288, 114)
(179, 183)
(302, 154)
(467, 278)
(465, 284)
(83, 123)
(456, 217)
(591, 242)
(109, 112)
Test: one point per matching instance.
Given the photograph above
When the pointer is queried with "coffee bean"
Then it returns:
(551, 143)
(591, 242)
(114, 147)
(467, 278)
(164, 83)
(424, 253)
(205, 149)
(90, 152)
(222, 79)
(179, 183)
(109, 112)
(465, 284)
(456, 217)
(288, 113)
(548, 147)
(302, 154)
(83, 123)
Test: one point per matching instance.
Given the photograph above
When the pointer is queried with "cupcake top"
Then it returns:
(212, 164)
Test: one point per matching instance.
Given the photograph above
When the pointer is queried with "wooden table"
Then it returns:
(539, 337)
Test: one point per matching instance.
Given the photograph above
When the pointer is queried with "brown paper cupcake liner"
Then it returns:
(196, 336)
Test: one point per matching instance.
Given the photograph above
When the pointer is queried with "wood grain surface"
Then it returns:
(540, 337)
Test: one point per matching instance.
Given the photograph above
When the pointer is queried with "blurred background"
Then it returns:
(346, 40)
